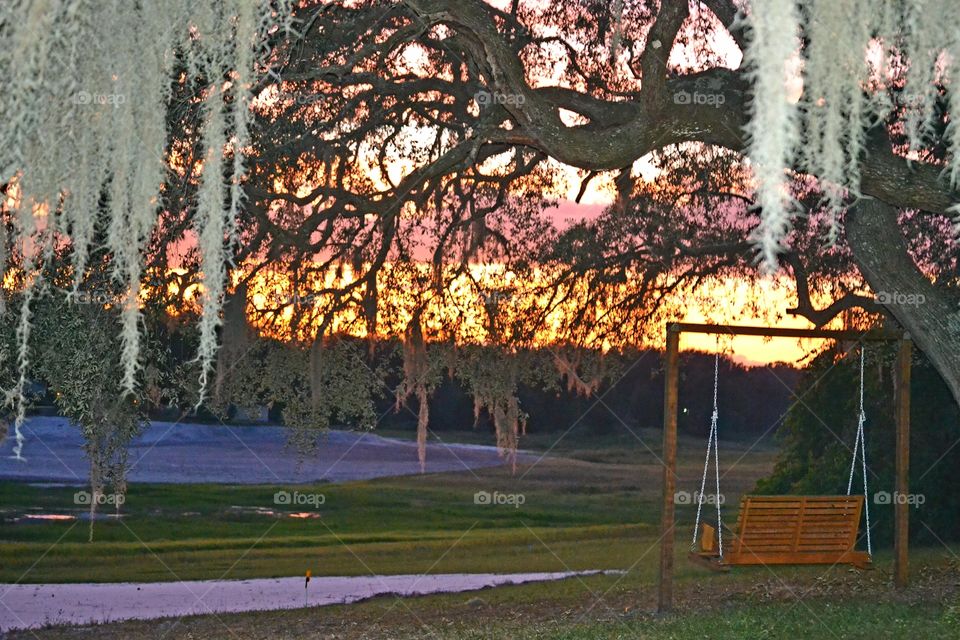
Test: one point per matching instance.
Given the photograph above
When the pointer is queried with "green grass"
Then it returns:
(815, 620)
(396, 526)
(814, 603)
(593, 507)
(399, 525)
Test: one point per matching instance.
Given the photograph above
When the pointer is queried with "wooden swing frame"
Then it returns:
(807, 547)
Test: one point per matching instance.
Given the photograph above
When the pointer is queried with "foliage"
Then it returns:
(310, 399)
(75, 353)
(111, 66)
(818, 435)
(854, 58)
(70, 344)
(774, 128)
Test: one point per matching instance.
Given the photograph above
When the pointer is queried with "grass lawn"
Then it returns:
(594, 507)
(809, 603)
(589, 505)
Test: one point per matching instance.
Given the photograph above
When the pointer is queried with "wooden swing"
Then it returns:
(785, 529)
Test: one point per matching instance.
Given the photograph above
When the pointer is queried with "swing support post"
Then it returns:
(669, 453)
(665, 585)
(901, 510)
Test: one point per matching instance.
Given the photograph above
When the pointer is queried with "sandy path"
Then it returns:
(30, 606)
(184, 452)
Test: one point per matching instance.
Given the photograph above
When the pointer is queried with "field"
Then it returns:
(590, 504)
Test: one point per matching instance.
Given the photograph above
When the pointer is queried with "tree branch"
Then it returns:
(660, 38)
(726, 11)
(613, 141)
(820, 317)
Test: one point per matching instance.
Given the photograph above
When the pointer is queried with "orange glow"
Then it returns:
(460, 314)
(723, 301)
(760, 303)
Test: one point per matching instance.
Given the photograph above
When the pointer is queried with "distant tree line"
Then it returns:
(752, 400)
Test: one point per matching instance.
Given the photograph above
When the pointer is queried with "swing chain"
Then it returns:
(860, 446)
(712, 439)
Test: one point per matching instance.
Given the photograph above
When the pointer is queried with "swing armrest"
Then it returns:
(708, 539)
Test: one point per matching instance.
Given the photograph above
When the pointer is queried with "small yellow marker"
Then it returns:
(306, 583)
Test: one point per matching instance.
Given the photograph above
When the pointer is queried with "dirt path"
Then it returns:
(31, 606)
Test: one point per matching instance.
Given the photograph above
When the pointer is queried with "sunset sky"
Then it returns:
(741, 295)
(729, 301)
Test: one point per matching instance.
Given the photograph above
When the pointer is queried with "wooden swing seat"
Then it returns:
(787, 530)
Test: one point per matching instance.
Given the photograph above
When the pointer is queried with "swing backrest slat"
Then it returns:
(797, 525)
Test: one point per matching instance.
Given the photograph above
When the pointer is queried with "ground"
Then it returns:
(589, 504)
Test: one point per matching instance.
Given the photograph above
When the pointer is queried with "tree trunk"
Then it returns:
(930, 314)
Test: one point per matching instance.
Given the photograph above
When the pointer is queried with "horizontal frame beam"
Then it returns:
(783, 332)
